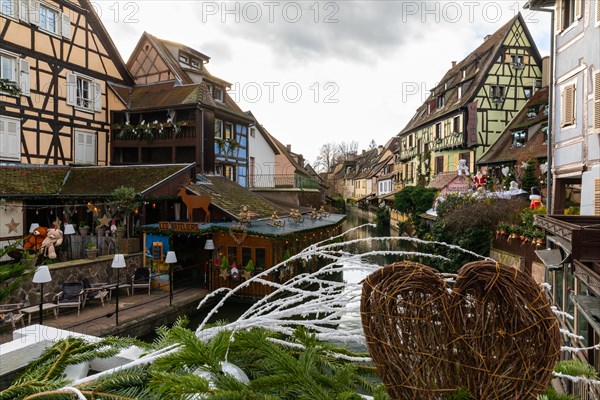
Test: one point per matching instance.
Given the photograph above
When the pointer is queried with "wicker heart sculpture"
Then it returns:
(493, 333)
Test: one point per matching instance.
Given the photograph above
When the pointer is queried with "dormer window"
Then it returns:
(440, 101)
(217, 93)
(195, 64)
(532, 112)
(528, 90)
(464, 73)
(459, 91)
(184, 59)
(545, 133)
(519, 138)
(545, 111)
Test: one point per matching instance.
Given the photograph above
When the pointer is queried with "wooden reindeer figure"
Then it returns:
(193, 202)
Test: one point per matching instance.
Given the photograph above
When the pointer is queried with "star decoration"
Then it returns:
(247, 275)
(104, 221)
(224, 274)
(12, 226)
(524, 165)
(57, 223)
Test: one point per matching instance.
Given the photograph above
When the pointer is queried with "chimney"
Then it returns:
(288, 147)
(301, 160)
(487, 37)
(453, 64)
(379, 149)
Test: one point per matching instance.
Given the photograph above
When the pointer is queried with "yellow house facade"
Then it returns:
(470, 107)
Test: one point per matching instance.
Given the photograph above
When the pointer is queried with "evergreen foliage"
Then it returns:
(13, 273)
(529, 179)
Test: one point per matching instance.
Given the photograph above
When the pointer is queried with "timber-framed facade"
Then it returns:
(56, 96)
(468, 110)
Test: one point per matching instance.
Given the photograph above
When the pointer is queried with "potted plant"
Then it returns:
(84, 228)
(224, 268)
(120, 232)
(91, 250)
(249, 270)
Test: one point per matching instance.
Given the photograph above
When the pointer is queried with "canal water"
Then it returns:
(232, 310)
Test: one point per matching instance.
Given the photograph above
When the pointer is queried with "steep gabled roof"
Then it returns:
(535, 147)
(264, 133)
(365, 162)
(477, 66)
(165, 94)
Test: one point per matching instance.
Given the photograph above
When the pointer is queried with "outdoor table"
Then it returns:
(34, 309)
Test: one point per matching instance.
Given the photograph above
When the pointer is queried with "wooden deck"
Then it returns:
(139, 314)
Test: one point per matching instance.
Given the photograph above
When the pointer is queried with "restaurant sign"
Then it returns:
(179, 226)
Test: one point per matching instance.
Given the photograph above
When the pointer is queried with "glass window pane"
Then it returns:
(246, 255)
(232, 254)
(260, 259)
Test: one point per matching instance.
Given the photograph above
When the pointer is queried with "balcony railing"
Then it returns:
(153, 133)
(409, 153)
(281, 181)
(451, 140)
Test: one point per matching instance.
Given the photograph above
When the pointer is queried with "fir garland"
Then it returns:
(9, 87)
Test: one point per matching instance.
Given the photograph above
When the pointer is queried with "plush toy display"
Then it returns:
(536, 198)
(463, 168)
(479, 180)
(53, 240)
(34, 242)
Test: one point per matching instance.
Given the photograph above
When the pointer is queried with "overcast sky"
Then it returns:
(314, 72)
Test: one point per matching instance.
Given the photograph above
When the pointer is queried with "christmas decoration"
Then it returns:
(53, 239)
(536, 198)
(12, 226)
(479, 180)
(34, 242)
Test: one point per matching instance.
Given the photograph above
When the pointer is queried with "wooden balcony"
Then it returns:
(409, 153)
(449, 141)
(581, 231)
(135, 138)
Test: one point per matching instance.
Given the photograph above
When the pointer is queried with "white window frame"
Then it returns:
(218, 134)
(75, 83)
(564, 123)
(13, 5)
(217, 93)
(232, 132)
(57, 20)
(252, 132)
(10, 144)
(14, 58)
(20, 72)
(184, 59)
(82, 155)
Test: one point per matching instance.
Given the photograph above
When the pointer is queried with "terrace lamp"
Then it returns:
(210, 246)
(70, 230)
(171, 259)
(41, 276)
(118, 263)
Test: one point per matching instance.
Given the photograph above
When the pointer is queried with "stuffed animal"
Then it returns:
(463, 168)
(34, 242)
(53, 240)
(536, 198)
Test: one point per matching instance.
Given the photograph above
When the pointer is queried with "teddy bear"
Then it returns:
(53, 239)
(34, 242)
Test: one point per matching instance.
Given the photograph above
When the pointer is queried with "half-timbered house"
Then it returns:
(59, 67)
(179, 112)
(466, 112)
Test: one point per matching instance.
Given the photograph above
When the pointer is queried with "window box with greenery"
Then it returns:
(84, 228)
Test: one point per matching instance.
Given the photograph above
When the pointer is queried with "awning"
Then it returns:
(366, 197)
(552, 258)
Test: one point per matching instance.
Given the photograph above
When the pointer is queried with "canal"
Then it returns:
(232, 310)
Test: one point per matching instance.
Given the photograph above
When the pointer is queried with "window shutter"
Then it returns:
(71, 89)
(598, 12)
(24, 10)
(578, 9)
(24, 80)
(597, 197)
(66, 26)
(34, 12)
(10, 139)
(97, 96)
(597, 102)
(79, 148)
(558, 15)
(90, 148)
(568, 103)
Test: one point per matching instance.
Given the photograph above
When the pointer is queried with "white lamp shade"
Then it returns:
(209, 245)
(33, 226)
(42, 274)
(171, 258)
(69, 229)
(118, 261)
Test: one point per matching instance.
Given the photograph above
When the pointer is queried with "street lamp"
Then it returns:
(70, 230)
(171, 259)
(41, 276)
(210, 246)
(118, 263)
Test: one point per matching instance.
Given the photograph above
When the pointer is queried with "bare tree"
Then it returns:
(346, 149)
(327, 157)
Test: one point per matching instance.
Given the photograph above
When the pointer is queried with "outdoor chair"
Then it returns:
(10, 313)
(140, 279)
(93, 291)
(72, 295)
